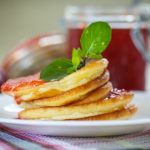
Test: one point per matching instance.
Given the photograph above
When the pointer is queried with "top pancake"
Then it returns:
(41, 89)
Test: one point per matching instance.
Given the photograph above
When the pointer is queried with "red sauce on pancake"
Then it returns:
(13, 84)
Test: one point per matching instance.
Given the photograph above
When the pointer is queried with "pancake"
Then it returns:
(37, 90)
(71, 95)
(115, 101)
(122, 114)
(99, 93)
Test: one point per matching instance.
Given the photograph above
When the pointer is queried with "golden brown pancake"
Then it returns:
(122, 114)
(99, 93)
(71, 95)
(115, 101)
(30, 92)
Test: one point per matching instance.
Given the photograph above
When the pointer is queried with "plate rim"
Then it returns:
(76, 123)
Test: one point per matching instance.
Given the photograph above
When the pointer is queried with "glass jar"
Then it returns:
(127, 64)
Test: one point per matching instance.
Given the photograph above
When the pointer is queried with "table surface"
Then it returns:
(14, 140)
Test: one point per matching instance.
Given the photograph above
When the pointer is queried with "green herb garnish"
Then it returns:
(58, 69)
(94, 40)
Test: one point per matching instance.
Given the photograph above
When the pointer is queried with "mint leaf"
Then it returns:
(58, 69)
(76, 58)
(95, 38)
(70, 70)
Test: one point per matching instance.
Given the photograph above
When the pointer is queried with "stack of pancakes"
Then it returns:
(86, 94)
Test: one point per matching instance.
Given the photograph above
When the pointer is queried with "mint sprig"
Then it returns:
(76, 58)
(58, 69)
(94, 40)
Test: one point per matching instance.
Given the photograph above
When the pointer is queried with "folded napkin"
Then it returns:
(18, 140)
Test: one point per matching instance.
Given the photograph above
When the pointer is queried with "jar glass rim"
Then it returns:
(93, 13)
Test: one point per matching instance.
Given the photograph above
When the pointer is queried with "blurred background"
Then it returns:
(23, 21)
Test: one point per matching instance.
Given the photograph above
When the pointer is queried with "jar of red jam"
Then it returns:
(127, 64)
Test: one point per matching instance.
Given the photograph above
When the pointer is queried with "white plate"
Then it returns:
(140, 122)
